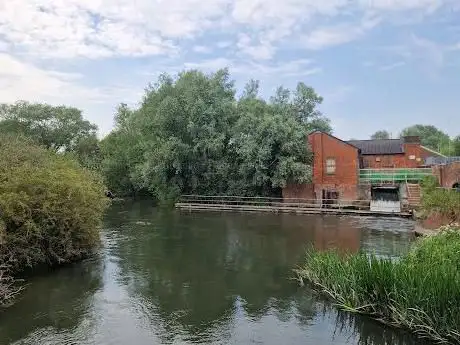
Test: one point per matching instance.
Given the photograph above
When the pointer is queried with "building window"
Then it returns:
(330, 166)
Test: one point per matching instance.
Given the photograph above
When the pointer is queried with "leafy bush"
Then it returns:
(445, 202)
(50, 208)
(420, 291)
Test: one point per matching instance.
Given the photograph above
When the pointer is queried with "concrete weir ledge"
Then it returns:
(257, 205)
(422, 232)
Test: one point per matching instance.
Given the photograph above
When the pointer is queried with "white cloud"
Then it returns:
(392, 66)
(20, 80)
(249, 33)
(202, 49)
(297, 68)
(105, 28)
(335, 35)
(224, 44)
(262, 50)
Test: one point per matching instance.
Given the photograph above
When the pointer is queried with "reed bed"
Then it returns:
(419, 291)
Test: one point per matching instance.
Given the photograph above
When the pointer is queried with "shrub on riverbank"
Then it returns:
(440, 202)
(50, 208)
(420, 291)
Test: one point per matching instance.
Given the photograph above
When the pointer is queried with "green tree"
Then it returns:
(191, 135)
(456, 146)
(123, 154)
(430, 137)
(380, 135)
(59, 128)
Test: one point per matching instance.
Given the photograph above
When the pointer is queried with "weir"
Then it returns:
(227, 203)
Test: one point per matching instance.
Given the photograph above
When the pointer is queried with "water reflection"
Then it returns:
(177, 278)
(53, 305)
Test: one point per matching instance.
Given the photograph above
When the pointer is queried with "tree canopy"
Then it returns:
(456, 146)
(192, 135)
(381, 135)
(430, 137)
(59, 128)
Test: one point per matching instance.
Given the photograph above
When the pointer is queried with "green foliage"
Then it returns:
(456, 146)
(381, 135)
(440, 201)
(430, 137)
(420, 291)
(59, 128)
(50, 208)
(191, 135)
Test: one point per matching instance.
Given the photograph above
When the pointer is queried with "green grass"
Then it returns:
(440, 201)
(420, 291)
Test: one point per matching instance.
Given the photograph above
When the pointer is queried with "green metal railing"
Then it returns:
(393, 175)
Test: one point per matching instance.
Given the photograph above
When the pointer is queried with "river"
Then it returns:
(170, 277)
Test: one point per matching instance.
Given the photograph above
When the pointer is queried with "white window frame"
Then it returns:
(331, 166)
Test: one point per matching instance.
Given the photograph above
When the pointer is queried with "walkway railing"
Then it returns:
(275, 204)
(393, 175)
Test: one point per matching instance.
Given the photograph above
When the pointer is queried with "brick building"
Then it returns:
(448, 174)
(338, 166)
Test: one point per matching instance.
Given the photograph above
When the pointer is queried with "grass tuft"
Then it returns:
(419, 291)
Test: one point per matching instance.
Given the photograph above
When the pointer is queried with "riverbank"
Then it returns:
(419, 291)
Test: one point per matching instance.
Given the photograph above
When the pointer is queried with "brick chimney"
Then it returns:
(411, 139)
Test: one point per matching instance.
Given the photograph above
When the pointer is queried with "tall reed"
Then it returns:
(419, 291)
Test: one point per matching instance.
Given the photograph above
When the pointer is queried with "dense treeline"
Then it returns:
(192, 135)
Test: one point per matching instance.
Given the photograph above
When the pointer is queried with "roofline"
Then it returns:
(382, 154)
(333, 137)
(433, 151)
(373, 139)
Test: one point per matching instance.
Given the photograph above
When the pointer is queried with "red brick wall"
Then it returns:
(346, 177)
(386, 161)
(448, 174)
(398, 160)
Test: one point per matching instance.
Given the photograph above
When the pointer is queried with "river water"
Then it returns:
(201, 278)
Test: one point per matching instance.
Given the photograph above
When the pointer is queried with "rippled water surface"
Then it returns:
(186, 278)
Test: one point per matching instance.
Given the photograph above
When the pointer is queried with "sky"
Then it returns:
(379, 64)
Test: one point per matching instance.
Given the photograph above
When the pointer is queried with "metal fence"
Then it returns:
(441, 160)
(393, 175)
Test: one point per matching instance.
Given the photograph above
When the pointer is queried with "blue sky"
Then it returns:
(382, 64)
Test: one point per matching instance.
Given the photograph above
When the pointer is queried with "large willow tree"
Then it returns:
(191, 134)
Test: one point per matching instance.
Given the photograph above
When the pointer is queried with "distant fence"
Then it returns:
(441, 160)
(286, 204)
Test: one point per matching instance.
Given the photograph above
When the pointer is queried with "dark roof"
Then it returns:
(379, 147)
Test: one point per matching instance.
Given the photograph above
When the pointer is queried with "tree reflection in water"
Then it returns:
(171, 277)
(205, 273)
